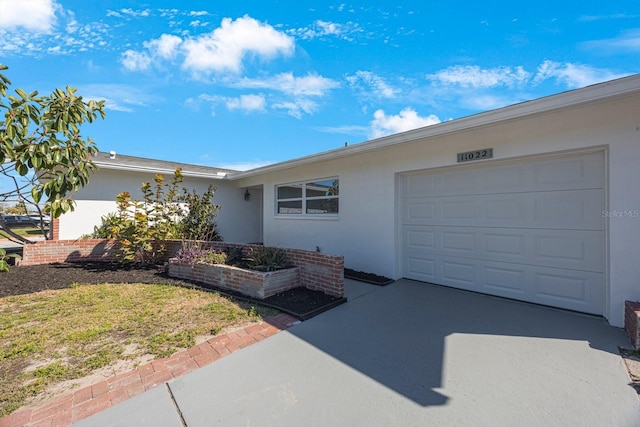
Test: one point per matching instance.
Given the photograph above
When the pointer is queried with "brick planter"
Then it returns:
(318, 272)
(632, 322)
(256, 284)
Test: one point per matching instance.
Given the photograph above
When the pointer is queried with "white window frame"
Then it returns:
(304, 198)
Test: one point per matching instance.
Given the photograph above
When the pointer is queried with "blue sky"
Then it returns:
(243, 84)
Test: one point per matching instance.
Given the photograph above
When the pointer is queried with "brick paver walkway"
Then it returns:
(82, 403)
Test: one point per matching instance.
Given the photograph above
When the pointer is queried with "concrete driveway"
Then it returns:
(408, 354)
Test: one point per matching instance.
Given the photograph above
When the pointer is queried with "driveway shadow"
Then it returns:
(401, 335)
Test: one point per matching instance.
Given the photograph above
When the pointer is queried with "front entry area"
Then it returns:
(529, 229)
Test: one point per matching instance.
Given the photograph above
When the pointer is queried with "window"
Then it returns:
(319, 197)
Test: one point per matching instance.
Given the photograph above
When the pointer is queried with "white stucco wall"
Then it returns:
(366, 232)
(238, 220)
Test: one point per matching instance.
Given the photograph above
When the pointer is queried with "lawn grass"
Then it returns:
(23, 231)
(51, 337)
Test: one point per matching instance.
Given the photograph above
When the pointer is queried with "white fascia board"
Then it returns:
(623, 87)
(132, 168)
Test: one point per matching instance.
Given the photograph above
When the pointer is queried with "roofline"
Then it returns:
(121, 167)
(624, 86)
(115, 165)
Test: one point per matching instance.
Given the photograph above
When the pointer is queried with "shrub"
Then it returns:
(266, 258)
(4, 260)
(194, 255)
(143, 226)
(235, 256)
(198, 222)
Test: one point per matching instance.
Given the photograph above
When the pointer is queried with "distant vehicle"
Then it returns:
(25, 220)
(36, 218)
(17, 220)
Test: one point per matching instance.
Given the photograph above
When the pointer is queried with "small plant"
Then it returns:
(235, 256)
(210, 256)
(4, 259)
(193, 255)
(266, 258)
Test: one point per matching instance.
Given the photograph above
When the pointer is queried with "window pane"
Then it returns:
(327, 187)
(322, 206)
(292, 207)
(290, 191)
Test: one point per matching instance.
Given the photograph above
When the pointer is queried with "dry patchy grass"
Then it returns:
(52, 337)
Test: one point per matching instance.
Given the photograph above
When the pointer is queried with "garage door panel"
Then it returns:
(568, 173)
(512, 230)
(459, 272)
(543, 174)
(572, 289)
(421, 269)
(571, 249)
(577, 210)
(504, 279)
(460, 241)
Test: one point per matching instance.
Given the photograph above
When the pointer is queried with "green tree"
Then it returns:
(43, 156)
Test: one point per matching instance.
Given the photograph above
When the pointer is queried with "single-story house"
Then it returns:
(536, 201)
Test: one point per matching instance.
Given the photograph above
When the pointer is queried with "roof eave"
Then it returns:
(136, 168)
(625, 86)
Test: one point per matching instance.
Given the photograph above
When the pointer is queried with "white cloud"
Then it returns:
(247, 103)
(321, 28)
(592, 18)
(117, 97)
(165, 47)
(225, 48)
(297, 107)
(477, 77)
(627, 41)
(222, 50)
(309, 85)
(33, 15)
(135, 61)
(371, 83)
(573, 75)
(408, 119)
(129, 13)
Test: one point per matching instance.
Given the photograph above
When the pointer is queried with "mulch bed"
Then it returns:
(301, 303)
(371, 278)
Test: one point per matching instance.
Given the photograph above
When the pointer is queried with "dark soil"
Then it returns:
(301, 303)
(362, 276)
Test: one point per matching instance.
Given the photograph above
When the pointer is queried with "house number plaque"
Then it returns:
(485, 153)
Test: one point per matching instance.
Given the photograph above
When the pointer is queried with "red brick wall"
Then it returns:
(318, 271)
(55, 228)
(53, 251)
(632, 322)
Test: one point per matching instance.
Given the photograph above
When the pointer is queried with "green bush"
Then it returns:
(266, 258)
(143, 226)
(212, 257)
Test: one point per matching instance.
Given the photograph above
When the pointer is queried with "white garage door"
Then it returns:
(531, 230)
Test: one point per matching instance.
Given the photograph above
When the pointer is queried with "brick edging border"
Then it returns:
(89, 400)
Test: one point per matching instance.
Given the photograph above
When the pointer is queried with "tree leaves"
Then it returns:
(40, 139)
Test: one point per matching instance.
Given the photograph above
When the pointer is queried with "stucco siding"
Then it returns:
(238, 220)
(366, 232)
